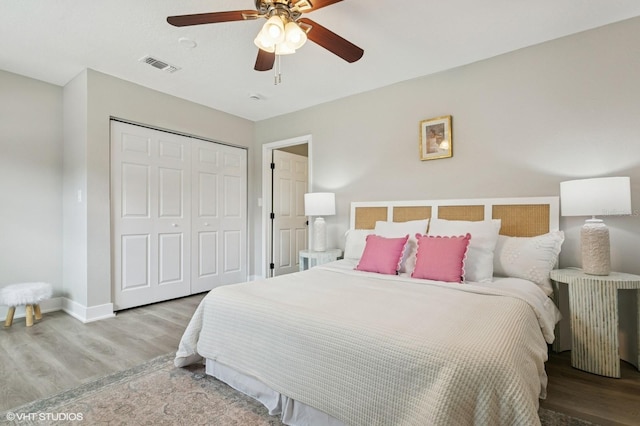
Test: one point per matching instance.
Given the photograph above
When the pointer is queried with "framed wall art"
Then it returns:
(435, 138)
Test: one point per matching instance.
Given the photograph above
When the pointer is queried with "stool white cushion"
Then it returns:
(25, 293)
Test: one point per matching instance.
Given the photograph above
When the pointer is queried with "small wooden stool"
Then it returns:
(24, 294)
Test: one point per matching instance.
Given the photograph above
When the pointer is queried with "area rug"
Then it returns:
(157, 393)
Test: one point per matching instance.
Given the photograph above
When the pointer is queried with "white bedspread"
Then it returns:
(377, 350)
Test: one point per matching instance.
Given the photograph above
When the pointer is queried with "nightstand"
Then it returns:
(593, 301)
(309, 258)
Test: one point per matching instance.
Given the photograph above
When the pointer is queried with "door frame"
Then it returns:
(267, 150)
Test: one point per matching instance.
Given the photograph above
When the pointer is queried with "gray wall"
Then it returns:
(30, 181)
(74, 186)
(54, 174)
(111, 97)
(522, 123)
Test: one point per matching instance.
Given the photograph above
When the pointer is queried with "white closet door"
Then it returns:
(290, 176)
(219, 215)
(151, 215)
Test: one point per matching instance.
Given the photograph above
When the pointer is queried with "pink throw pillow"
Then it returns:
(382, 255)
(441, 258)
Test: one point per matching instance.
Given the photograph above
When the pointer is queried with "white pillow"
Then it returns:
(529, 258)
(355, 242)
(484, 236)
(400, 229)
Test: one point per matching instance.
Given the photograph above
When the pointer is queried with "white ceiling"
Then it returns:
(54, 41)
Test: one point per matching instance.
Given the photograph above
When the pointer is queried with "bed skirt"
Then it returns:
(291, 412)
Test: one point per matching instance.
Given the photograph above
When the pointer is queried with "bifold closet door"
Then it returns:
(219, 215)
(151, 215)
(178, 214)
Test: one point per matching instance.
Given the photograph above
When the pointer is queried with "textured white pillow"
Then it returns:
(484, 236)
(400, 229)
(529, 258)
(356, 239)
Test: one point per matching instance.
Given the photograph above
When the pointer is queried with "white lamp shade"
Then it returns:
(596, 197)
(273, 30)
(294, 35)
(319, 204)
(264, 43)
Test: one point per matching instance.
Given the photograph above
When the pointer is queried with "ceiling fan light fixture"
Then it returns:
(294, 35)
(264, 43)
(283, 33)
(274, 29)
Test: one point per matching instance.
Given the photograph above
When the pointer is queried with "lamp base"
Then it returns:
(319, 235)
(596, 253)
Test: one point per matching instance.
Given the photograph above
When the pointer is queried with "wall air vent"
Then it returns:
(157, 63)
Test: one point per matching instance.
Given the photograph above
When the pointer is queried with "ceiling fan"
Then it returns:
(285, 29)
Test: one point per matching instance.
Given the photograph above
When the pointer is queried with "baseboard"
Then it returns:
(76, 310)
(87, 314)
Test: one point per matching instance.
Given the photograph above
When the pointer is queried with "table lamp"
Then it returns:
(319, 204)
(595, 197)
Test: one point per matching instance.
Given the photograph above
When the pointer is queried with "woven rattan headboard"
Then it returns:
(521, 217)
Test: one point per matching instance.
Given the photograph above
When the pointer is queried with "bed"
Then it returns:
(345, 343)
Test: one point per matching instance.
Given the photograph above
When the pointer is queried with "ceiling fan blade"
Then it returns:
(331, 41)
(212, 18)
(311, 5)
(264, 61)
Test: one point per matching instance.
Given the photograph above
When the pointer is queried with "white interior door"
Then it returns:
(219, 218)
(289, 224)
(151, 215)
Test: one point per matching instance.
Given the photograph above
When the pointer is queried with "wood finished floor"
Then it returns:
(59, 353)
(600, 400)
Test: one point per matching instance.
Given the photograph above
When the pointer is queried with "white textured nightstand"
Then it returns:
(593, 301)
(309, 258)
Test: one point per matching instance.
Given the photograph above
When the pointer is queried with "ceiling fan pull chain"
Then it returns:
(277, 77)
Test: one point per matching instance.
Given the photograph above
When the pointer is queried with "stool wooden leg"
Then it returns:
(36, 310)
(29, 315)
(9, 320)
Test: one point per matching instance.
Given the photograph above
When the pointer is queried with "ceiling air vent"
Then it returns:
(157, 63)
